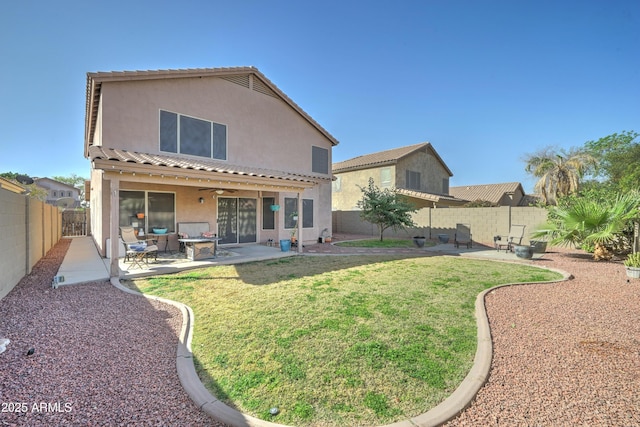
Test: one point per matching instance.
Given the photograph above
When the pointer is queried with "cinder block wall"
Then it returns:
(30, 228)
(484, 222)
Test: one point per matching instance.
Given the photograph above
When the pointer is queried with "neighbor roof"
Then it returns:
(431, 197)
(386, 157)
(488, 192)
(44, 183)
(95, 80)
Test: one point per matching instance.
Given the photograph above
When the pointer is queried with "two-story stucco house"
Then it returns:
(218, 146)
(59, 193)
(416, 171)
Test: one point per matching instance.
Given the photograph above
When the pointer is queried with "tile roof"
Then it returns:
(95, 80)
(431, 197)
(489, 192)
(174, 164)
(385, 157)
(12, 186)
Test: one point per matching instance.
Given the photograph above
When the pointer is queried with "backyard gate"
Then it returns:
(74, 222)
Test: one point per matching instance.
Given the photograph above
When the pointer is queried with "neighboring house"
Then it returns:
(59, 193)
(506, 194)
(12, 186)
(216, 145)
(416, 171)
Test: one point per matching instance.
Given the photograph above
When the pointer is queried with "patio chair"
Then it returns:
(516, 233)
(139, 256)
(463, 236)
(128, 236)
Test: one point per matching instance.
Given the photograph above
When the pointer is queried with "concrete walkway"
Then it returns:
(82, 263)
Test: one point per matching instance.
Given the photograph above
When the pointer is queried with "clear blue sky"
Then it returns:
(484, 81)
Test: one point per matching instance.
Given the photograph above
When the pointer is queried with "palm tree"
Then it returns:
(559, 172)
(587, 221)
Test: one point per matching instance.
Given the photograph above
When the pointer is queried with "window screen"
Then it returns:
(168, 132)
(290, 207)
(268, 216)
(413, 180)
(219, 141)
(195, 137)
(307, 213)
(161, 211)
(131, 203)
(319, 160)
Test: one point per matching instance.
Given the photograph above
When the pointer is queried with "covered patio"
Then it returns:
(240, 205)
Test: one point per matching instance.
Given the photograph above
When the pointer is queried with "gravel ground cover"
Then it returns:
(565, 354)
(100, 356)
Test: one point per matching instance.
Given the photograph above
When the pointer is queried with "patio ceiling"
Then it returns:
(174, 170)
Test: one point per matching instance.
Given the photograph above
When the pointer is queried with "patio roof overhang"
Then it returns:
(429, 200)
(172, 170)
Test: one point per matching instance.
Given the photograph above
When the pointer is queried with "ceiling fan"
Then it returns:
(218, 190)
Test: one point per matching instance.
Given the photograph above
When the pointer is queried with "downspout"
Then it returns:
(300, 209)
(114, 222)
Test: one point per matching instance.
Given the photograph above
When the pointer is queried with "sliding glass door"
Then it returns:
(237, 220)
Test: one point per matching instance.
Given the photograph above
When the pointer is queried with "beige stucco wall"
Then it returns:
(348, 194)
(29, 229)
(485, 222)
(262, 131)
(13, 249)
(432, 173)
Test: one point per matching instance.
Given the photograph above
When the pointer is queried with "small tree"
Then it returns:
(385, 208)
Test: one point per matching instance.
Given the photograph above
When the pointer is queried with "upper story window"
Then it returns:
(413, 180)
(319, 160)
(188, 135)
(385, 177)
(337, 184)
(445, 185)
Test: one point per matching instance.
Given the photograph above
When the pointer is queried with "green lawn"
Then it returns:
(354, 340)
(386, 243)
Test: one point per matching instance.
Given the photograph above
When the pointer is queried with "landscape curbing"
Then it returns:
(458, 401)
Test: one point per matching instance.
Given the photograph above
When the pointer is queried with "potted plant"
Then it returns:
(538, 246)
(632, 265)
(523, 251)
(419, 241)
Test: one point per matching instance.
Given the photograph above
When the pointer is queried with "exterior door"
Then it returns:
(237, 220)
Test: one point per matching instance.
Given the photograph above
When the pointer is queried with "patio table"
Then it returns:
(162, 240)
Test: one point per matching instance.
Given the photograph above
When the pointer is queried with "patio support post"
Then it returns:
(114, 221)
(300, 240)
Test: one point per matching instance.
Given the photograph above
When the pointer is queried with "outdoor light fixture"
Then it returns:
(219, 191)
(201, 200)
